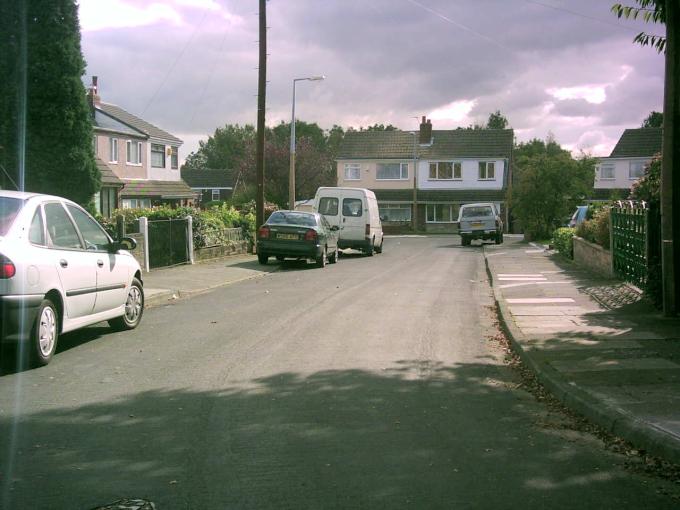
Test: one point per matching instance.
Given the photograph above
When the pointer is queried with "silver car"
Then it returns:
(60, 271)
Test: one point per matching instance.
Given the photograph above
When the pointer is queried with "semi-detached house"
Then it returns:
(139, 162)
(452, 167)
(616, 174)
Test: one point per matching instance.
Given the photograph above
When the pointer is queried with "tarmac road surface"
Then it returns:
(373, 383)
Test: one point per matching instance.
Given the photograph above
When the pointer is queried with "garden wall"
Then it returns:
(593, 257)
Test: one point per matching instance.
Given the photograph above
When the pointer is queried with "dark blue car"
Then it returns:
(297, 235)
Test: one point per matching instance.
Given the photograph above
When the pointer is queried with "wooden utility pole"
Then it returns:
(670, 170)
(261, 96)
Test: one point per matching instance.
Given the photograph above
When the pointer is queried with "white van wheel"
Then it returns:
(378, 249)
(369, 250)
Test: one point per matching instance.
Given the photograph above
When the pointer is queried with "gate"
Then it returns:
(168, 243)
(630, 241)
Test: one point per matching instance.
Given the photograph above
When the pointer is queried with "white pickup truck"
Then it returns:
(480, 221)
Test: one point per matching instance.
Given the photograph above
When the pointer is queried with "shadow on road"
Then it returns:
(415, 435)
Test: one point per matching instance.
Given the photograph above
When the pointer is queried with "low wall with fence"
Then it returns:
(211, 244)
(593, 257)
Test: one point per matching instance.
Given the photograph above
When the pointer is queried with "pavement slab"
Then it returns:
(596, 343)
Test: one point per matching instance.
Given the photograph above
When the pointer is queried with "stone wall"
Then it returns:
(233, 248)
(593, 257)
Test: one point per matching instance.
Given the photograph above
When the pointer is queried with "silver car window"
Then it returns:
(36, 233)
(60, 229)
(94, 236)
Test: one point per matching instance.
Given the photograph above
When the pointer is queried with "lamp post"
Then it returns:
(291, 176)
(415, 178)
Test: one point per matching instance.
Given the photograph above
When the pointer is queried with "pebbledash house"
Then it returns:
(452, 168)
(138, 161)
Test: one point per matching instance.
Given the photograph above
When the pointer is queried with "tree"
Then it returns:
(549, 184)
(224, 149)
(44, 104)
(648, 10)
(653, 120)
(497, 121)
(379, 127)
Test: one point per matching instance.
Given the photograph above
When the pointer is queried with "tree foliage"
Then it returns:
(648, 187)
(42, 39)
(653, 120)
(653, 11)
(497, 121)
(549, 184)
(233, 147)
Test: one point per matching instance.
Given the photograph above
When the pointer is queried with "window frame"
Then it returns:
(157, 148)
(72, 207)
(49, 240)
(456, 168)
(322, 200)
(212, 194)
(642, 169)
(40, 214)
(395, 206)
(174, 157)
(453, 216)
(486, 166)
(611, 166)
(401, 177)
(128, 153)
(113, 150)
(352, 166)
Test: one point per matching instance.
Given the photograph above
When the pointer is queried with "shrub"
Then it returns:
(596, 230)
(563, 241)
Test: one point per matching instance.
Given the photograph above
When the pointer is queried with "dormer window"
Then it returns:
(157, 155)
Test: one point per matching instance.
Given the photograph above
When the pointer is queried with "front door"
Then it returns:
(76, 267)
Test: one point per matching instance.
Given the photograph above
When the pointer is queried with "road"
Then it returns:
(373, 383)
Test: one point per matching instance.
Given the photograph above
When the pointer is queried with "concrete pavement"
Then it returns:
(596, 344)
(162, 286)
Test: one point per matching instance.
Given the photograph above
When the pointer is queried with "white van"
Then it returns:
(355, 211)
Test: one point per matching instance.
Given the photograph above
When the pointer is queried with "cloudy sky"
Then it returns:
(568, 67)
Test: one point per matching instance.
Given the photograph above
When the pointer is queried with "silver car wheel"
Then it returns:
(47, 331)
(133, 305)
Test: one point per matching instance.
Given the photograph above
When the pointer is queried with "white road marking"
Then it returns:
(510, 285)
(502, 275)
(496, 253)
(534, 251)
(522, 279)
(538, 301)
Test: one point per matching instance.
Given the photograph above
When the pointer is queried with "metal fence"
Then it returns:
(217, 237)
(630, 244)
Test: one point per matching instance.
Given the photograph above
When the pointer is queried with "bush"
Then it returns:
(563, 241)
(596, 230)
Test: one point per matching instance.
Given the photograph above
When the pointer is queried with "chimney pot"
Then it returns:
(425, 135)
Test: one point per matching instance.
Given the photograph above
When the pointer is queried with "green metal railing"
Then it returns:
(630, 244)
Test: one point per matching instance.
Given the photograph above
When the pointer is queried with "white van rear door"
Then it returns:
(329, 207)
(353, 218)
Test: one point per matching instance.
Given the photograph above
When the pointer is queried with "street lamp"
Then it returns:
(291, 177)
(415, 178)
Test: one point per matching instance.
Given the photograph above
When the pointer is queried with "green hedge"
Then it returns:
(596, 229)
(205, 222)
(563, 241)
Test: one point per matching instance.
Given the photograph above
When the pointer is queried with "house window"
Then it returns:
(113, 150)
(174, 158)
(636, 169)
(352, 172)
(215, 194)
(157, 155)
(395, 212)
(107, 201)
(487, 170)
(391, 171)
(607, 171)
(446, 170)
(134, 152)
(441, 213)
(136, 203)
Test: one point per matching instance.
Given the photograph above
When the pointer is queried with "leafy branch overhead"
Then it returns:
(651, 11)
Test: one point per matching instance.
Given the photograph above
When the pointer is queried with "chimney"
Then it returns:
(425, 137)
(93, 95)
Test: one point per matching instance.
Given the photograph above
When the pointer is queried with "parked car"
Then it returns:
(60, 271)
(480, 221)
(355, 212)
(299, 235)
(579, 216)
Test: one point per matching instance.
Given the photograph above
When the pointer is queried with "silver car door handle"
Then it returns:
(63, 263)
(100, 263)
